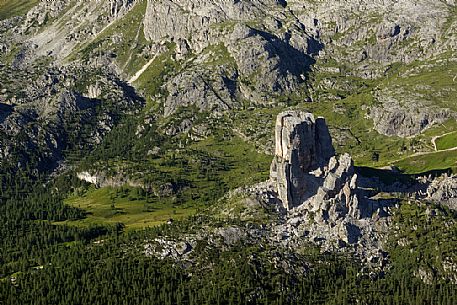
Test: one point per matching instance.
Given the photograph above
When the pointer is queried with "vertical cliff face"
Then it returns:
(303, 145)
(325, 199)
(305, 171)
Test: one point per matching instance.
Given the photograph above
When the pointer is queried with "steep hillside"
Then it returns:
(138, 135)
(235, 59)
(11, 8)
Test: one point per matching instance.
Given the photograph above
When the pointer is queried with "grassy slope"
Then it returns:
(432, 80)
(130, 45)
(151, 80)
(206, 169)
(115, 205)
(11, 8)
(447, 141)
(425, 163)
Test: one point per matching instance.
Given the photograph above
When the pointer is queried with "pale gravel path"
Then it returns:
(141, 71)
(437, 137)
(422, 153)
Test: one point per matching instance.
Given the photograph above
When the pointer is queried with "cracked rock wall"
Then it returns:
(303, 144)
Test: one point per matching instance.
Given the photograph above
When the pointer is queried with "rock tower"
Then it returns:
(305, 169)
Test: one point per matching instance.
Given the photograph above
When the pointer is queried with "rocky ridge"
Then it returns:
(48, 113)
(265, 50)
(325, 203)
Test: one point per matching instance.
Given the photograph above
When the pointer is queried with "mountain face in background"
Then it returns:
(388, 65)
(137, 139)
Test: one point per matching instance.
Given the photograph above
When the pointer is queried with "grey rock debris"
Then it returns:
(322, 197)
(443, 190)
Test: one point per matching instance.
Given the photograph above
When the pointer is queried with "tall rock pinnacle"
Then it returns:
(303, 144)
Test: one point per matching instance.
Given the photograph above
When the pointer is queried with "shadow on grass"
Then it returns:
(391, 176)
(384, 188)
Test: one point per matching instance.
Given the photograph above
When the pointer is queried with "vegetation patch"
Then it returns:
(180, 175)
(447, 141)
(131, 207)
(424, 242)
(11, 8)
(441, 160)
(150, 82)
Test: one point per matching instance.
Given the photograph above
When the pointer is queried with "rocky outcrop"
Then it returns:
(305, 169)
(267, 63)
(326, 201)
(102, 180)
(303, 145)
(44, 11)
(443, 190)
(393, 119)
(163, 248)
(46, 114)
(202, 90)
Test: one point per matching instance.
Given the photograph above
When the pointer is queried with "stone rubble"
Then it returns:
(320, 194)
(443, 190)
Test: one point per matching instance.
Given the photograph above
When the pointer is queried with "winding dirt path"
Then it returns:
(422, 153)
(141, 71)
(437, 137)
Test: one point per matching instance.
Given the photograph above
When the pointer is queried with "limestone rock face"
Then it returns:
(194, 20)
(392, 118)
(443, 190)
(301, 138)
(307, 174)
(327, 202)
(202, 90)
(50, 112)
(260, 63)
(303, 144)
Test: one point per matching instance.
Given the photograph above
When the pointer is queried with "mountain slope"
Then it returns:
(136, 137)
